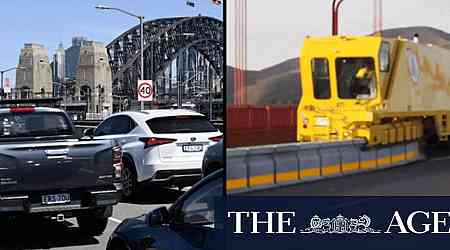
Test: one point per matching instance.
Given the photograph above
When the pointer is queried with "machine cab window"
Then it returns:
(321, 78)
(384, 56)
(356, 78)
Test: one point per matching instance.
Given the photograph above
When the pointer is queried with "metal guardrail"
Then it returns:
(273, 166)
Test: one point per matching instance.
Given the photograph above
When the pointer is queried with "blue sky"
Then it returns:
(49, 22)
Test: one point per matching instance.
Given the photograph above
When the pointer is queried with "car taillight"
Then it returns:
(155, 141)
(216, 138)
(22, 110)
(117, 161)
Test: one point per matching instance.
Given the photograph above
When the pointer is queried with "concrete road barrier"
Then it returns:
(330, 159)
(349, 153)
(368, 158)
(398, 154)
(272, 166)
(384, 157)
(261, 166)
(237, 176)
(286, 163)
(309, 160)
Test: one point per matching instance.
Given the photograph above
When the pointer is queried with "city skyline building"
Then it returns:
(58, 64)
(93, 78)
(34, 73)
(72, 56)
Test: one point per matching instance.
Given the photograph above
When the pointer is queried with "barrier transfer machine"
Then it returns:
(385, 91)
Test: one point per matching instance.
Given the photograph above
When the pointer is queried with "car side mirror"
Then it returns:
(89, 132)
(158, 217)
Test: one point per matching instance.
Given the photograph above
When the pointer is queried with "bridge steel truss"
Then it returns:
(164, 39)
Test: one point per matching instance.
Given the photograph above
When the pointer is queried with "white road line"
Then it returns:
(115, 220)
(441, 158)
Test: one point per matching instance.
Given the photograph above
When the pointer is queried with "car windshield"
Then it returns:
(180, 124)
(33, 124)
(355, 78)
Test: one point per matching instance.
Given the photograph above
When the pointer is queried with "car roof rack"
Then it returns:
(51, 102)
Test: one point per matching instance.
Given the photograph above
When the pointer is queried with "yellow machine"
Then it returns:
(386, 91)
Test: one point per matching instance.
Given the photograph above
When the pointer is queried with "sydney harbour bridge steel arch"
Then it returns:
(195, 44)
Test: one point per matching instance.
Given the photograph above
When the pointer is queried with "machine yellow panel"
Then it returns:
(421, 79)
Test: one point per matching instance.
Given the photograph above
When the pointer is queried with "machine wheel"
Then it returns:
(430, 132)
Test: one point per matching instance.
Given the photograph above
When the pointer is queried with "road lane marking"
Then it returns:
(440, 158)
(115, 220)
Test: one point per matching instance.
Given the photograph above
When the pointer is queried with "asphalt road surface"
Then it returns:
(424, 178)
(48, 234)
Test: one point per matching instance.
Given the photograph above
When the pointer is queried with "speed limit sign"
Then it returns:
(145, 90)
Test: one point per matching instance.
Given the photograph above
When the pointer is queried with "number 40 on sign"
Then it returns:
(145, 90)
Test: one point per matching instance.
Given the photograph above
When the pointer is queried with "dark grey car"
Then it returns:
(190, 223)
(46, 170)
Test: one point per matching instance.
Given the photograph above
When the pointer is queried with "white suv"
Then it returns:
(164, 147)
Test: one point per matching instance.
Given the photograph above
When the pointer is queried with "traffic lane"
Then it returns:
(39, 233)
(127, 210)
(427, 178)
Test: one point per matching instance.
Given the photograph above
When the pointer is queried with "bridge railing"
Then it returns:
(260, 125)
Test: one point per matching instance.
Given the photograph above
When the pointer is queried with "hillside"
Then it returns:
(269, 85)
(426, 35)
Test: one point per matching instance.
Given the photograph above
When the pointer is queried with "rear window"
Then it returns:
(33, 124)
(180, 124)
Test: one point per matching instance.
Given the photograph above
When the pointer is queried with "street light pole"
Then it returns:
(210, 96)
(141, 20)
(141, 24)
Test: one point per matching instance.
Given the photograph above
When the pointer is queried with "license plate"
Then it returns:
(55, 199)
(192, 148)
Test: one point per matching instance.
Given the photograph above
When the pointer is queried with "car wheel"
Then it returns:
(94, 222)
(128, 181)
